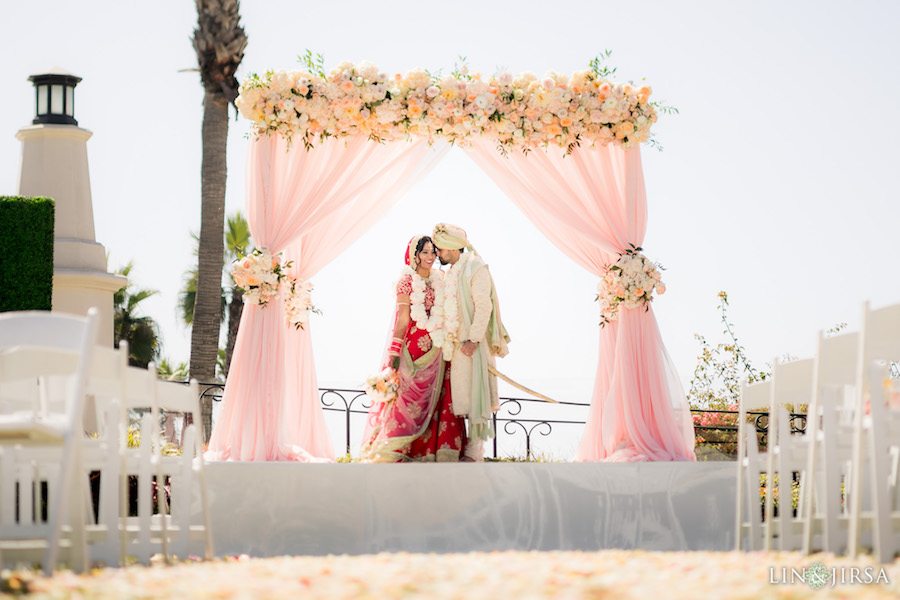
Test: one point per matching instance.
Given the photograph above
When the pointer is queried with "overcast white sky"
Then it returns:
(778, 182)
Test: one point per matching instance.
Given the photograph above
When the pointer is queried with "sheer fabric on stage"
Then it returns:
(591, 204)
(310, 204)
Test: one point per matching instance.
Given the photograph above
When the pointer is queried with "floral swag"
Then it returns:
(262, 276)
(629, 284)
(517, 111)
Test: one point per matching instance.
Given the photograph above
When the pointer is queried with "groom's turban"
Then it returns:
(449, 237)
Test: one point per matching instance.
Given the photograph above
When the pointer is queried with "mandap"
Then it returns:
(331, 153)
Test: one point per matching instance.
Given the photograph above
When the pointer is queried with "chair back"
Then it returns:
(836, 357)
(882, 332)
(793, 382)
(42, 328)
(173, 396)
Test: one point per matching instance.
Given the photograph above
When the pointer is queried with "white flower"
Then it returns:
(340, 105)
(630, 285)
(435, 321)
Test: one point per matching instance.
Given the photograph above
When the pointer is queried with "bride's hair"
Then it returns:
(421, 245)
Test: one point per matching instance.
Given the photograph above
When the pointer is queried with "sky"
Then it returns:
(777, 182)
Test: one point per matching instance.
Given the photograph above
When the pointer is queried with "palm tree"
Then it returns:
(141, 333)
(237, 243)
(168, 371)
(219, 41)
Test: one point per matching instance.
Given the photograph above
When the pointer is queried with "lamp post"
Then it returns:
(54, 96)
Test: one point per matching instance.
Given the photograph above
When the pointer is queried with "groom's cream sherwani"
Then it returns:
(474, 388)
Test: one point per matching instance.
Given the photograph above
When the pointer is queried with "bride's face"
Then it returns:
(426, 256)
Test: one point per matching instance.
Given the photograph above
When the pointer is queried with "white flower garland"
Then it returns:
(451, 305)
(434, 323)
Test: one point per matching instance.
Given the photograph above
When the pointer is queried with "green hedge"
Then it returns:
(26, 248)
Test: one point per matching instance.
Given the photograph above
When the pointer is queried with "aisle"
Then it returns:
(558, 575)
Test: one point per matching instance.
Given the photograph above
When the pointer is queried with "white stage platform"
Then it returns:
(274, 509)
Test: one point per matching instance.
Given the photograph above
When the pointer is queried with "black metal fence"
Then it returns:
(529, 420)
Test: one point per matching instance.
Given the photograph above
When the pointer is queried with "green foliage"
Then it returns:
(461, 69)
(133, 440)
(141, 333)
(600, 70)
(237, 243)
(720, 368)
(168, 371)
(315, 64)
(26, 244)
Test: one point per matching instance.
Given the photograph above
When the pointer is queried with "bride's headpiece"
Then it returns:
(410, 256)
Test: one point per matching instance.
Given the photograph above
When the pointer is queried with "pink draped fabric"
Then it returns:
(591, 204)
(311, 205)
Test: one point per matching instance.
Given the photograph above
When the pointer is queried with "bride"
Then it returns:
(419, 424)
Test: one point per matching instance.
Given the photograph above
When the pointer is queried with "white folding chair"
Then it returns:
(792, 384)
(185, 472)
(753, 523)
(41, 441)
(829, 429)
(107, 387)
(883, 450)
(180, 478)
(136, 451)
(879, 342)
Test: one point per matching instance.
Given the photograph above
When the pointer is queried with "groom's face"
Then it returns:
(447, 257)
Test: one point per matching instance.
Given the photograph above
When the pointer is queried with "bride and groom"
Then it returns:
(447, 330)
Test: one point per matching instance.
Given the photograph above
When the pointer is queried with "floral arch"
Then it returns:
(320, 170)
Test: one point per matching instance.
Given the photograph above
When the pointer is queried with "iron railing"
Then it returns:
(509, 421)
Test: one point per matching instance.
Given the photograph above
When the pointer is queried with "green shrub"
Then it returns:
(26, 245)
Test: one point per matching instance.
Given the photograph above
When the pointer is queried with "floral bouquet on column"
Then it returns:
(259, 274)
(629, 284)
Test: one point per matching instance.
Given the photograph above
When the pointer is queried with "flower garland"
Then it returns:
(520, 111)
(434, 323)
(451, 305)
(262, 276)
(298, 302)
(259, 274)
(628, 283)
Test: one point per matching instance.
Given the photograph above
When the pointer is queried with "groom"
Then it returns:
(474, 338)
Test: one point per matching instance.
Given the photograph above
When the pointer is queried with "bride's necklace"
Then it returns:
(433, 323)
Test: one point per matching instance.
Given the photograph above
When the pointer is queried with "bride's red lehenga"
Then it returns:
(419, 425)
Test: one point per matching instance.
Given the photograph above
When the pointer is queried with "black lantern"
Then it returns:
(54, 94)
